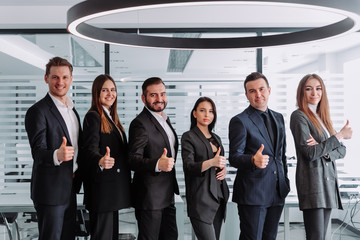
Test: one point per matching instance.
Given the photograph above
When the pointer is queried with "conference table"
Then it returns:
(21, 202)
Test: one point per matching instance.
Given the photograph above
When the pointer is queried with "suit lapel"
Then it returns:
(260, 125)
(55, 112)
(204, 141)
(160, 129)
(210, 154)
(176, 139)
(116, 129)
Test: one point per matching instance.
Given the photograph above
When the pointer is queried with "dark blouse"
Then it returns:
(219, 185)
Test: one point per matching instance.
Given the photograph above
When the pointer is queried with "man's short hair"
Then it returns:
(57, 62)
(151, 81)
(255, 76)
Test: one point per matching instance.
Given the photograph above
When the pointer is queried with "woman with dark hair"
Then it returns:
(204, 167)
(107, 174)
(317, 147)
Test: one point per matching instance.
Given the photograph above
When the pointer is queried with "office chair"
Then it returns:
(82, 224)
(7, 219)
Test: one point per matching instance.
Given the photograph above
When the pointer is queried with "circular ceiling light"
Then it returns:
(79, 14)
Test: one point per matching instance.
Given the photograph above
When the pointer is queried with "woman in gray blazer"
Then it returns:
(317, 147)
(204, 167)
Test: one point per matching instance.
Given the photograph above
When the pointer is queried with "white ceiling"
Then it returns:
(132, 62)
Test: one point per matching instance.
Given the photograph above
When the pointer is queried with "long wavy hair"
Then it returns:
(193, 119)
(322, 109)
(97, 106)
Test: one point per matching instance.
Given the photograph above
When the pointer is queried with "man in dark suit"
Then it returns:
(153, 146)
(257, 150)
(53, 128)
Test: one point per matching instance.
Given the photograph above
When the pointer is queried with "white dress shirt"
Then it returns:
(161, 118)
(313, 109)
(72, 125)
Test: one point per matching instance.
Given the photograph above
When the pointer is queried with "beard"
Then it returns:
(150, 106)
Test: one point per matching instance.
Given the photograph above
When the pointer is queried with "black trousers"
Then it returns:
(258, 222)
(104, 225)
(157, 224)
(57, 222)
(316, 223)
(206, 231)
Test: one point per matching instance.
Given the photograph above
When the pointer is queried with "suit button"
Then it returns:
(274, 172)
(118, 170)
(326, 164)
(327, 179)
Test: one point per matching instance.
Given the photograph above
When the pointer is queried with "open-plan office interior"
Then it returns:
(32, 32)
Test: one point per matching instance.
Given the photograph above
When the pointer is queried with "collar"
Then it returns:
(107, 112)
(58, 103)
(259, 111)
(162, 116)
(313, 108)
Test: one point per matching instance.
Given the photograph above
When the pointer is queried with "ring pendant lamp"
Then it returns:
(79, 14)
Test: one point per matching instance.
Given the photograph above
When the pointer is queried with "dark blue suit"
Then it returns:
(256, 190)
(52, 187)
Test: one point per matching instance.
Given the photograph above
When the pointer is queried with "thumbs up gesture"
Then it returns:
(218, 161)
(260, 160)
(106, 161)
(65, 153)
(345, 132)
(166, 164)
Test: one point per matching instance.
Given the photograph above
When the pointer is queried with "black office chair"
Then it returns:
(82, 224)
(7, 219)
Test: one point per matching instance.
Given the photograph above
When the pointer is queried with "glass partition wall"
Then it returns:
(218, 74)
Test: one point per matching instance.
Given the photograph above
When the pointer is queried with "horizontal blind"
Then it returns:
(17, 95)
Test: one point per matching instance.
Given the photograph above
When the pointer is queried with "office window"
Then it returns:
(187, 77)
(22, 69)
(337, 62)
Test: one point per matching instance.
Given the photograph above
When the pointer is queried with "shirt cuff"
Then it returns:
(56, 160)
(157, 166)
(101, 167)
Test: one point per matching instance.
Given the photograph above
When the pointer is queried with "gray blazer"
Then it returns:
(316, 176)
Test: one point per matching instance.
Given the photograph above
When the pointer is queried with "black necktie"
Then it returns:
(269, 127)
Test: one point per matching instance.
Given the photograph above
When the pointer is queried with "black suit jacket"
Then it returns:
(255, 186)
(108, 189)
(201, 187)
(50, 184)
(147, 140)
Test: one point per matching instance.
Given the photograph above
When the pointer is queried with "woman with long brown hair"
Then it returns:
(317, 145)
(107, 180)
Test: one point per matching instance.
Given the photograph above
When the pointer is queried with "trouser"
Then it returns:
(209, 231)
(104, 225)
(316, 223)
(157, 224)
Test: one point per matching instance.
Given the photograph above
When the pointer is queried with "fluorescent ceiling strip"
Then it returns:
(24, 50)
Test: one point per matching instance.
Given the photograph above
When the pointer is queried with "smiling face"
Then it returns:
(313, 91)
(204, 114)
(155, 98)
(59, 80)
(258, 92)
(108, 94)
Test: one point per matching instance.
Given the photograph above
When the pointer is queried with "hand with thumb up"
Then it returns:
(260, 160)
(65, 153)
(345, 132)
(166, 164)
(218, 161)
(106, 161)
